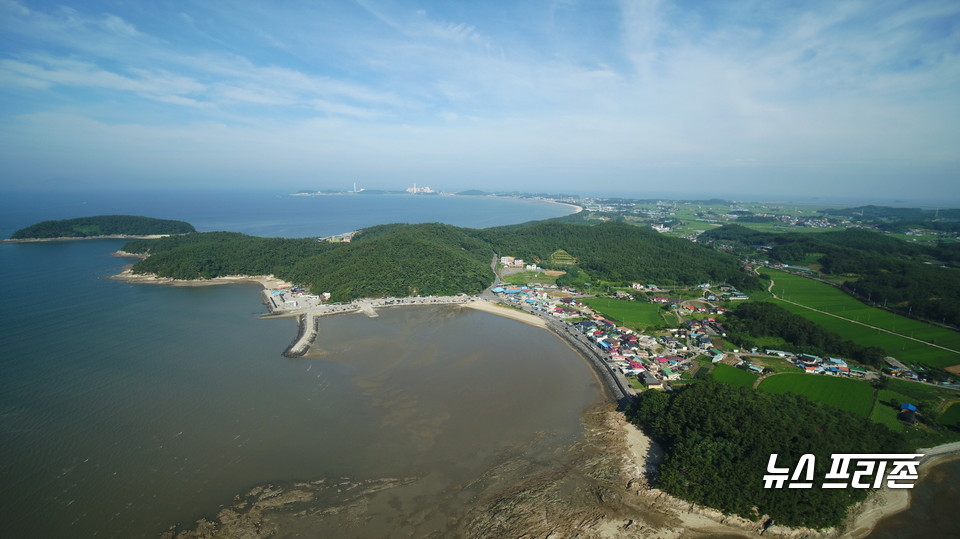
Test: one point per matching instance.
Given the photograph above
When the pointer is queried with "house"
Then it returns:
(858, 371)
(908, 413)
(670, 374)
(650, 380)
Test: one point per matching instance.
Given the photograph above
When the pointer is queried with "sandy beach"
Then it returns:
(888, 501)
(508, 312)
(576, 209)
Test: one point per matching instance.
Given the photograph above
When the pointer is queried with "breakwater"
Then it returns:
(309, 318)
(309, 325)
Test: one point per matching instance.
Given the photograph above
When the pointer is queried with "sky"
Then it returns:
(747, 99)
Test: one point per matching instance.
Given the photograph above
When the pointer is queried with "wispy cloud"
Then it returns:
(623, 89)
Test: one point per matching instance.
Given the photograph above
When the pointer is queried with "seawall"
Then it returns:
(612, 386)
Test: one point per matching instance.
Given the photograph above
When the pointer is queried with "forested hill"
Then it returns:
(103, 225)
(425, 259)
(719, 438)
(620, 253)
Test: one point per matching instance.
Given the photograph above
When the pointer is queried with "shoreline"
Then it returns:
(68, 238)
(886, 502)
(506, 312)
(641, 453)
(266, 281)
(642, 456)
(576, 208)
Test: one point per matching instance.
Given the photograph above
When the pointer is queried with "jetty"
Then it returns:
(309, 309)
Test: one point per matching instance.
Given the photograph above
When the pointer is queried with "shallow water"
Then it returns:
(130, 408)
(933, 507)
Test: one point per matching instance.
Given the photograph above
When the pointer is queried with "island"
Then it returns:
(101, 226)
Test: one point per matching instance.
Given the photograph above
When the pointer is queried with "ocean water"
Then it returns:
(274, 214)
(126, 409)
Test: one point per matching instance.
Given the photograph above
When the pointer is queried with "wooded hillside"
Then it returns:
(402, 259)
(103, 225)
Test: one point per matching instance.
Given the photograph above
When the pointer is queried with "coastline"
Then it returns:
(887, 502)
(576, 209)
(107, 237)
(507, 312)
(641, 455)
(266, 281)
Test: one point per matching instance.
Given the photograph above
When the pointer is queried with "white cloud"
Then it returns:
(745, 85)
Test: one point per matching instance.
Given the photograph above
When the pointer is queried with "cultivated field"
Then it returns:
(526, 277)
(733, 376)
(847, 394)
(951, 416)
(827, 298)
(633, 314)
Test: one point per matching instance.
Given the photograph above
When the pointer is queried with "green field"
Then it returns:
(733, 376)
(884, 413)
(951, 416)
(775, 364)
(526, 277)
(633, 314)
(915, 393)
(827, 298)
(853, 395)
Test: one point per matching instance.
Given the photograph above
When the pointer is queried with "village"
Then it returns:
(637, 360)
(669, 355)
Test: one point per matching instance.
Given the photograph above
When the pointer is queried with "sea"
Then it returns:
(128, 409)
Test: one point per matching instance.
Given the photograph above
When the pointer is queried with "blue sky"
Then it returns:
(736, 98)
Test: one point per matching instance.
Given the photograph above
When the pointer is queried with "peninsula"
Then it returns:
(101, 226)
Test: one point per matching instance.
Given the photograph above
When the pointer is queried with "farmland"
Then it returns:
(526, 277)
(951, 416)
(823, 297)
(632, 314)
(852, 395)
(733, 376)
